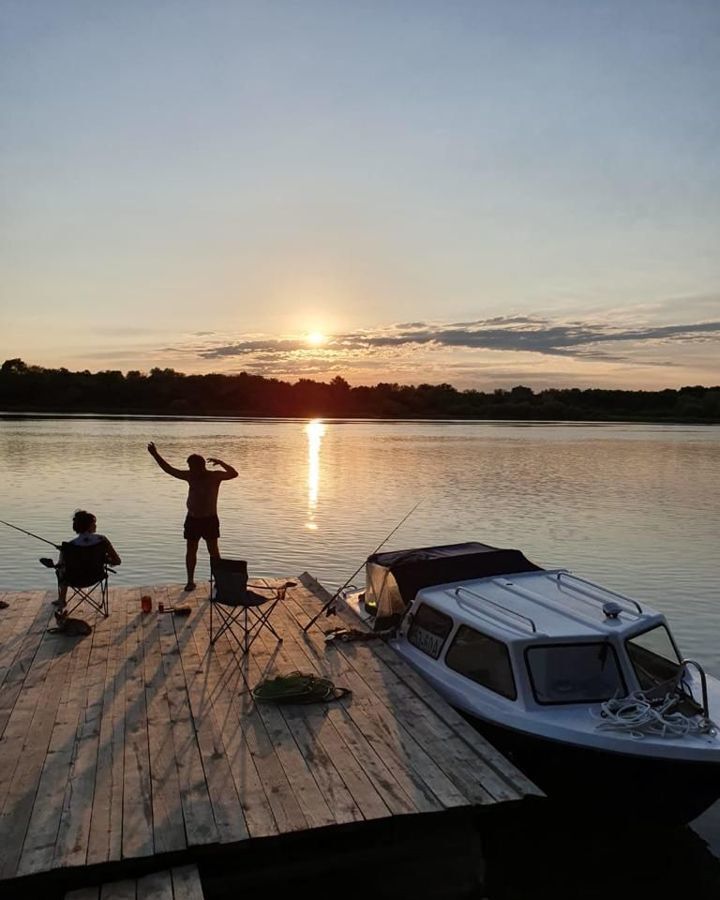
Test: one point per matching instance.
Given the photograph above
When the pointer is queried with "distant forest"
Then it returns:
(26, 388)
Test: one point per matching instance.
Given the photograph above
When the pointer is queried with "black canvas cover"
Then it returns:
(394, 578)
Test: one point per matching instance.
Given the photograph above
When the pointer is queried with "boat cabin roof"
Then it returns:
(535, 606)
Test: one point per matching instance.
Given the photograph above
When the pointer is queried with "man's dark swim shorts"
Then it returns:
(206, 527)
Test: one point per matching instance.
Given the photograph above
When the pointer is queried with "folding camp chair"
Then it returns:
(237, 606)
(84, 570)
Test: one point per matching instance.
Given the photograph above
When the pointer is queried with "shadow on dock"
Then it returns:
(139, 748)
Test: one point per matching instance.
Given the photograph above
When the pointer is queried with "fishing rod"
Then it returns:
(10, 525)
(328, 607)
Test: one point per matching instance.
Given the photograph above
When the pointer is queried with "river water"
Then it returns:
(634, 506)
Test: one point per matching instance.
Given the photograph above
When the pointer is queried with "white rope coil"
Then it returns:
(639, 716)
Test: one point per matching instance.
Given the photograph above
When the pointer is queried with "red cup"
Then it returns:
(146, 603)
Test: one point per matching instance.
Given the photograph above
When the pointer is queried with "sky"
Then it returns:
(467, 191)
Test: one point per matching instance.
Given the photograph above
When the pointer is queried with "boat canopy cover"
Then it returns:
(393, 579)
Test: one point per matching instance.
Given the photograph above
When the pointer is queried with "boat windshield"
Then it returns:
(575, 673)
(653, 657)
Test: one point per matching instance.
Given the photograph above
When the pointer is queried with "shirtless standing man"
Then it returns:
(202, 518)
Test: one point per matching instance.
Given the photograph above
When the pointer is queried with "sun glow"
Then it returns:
(315, 338)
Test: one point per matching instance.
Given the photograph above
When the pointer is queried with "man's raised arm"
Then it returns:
(229, 471)
(165, 466)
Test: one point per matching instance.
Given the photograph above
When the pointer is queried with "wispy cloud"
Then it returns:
(255, 347)
(520, 334)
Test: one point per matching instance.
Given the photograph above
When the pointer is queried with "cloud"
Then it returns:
(243, 348)
(589, 341)
(535, 336)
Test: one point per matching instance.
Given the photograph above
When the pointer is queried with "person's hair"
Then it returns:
(196, 463)
(82, 520)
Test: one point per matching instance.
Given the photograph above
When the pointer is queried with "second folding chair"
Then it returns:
(241, 609)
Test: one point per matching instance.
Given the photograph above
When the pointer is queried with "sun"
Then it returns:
(315, 338)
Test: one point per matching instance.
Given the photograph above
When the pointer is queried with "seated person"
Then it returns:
(85, 527)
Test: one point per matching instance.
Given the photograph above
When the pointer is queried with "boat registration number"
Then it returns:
(426, 641)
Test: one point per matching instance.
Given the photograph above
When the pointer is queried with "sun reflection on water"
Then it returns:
(315, 430)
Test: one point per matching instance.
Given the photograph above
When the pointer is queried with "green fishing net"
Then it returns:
(297, 687)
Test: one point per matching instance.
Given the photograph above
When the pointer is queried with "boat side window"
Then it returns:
(653, 657)
(482, 659)
(429, 630)
(575, 673)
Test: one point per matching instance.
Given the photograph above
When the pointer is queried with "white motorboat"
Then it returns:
(582, 687)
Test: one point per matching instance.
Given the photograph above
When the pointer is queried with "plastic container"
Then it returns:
(146, 603)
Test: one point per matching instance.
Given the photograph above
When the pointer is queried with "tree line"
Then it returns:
(28, 388)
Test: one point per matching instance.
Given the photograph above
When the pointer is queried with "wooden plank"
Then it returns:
(265, 654)
(39, 846)
(299, 774)
(22, 608)
(26, 747)
(464, 767)
(29, 683)
(347, 789)
(72, 839)
(14, 623)
(310, 601)
(409, 732)
(480, 745)
(141, 739)
(157, 886)
(137, 829)
(468, 769)
(167, 812)
(226, 682)
(119, 890)
(21, 653)
(285, 807)
(498, 775)
(186, 883)
(369, 758)
(26, 625)
(226, 807)
(421, 778)
(9, 612)
(391, 780)
(399, 706)
(86, 893)
(30, 615)
(200, 827)
(105, 837)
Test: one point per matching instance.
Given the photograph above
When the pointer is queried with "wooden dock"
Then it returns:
(139, 747)
(182, 883)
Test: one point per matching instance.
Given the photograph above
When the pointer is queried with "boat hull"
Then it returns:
(616, 785)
